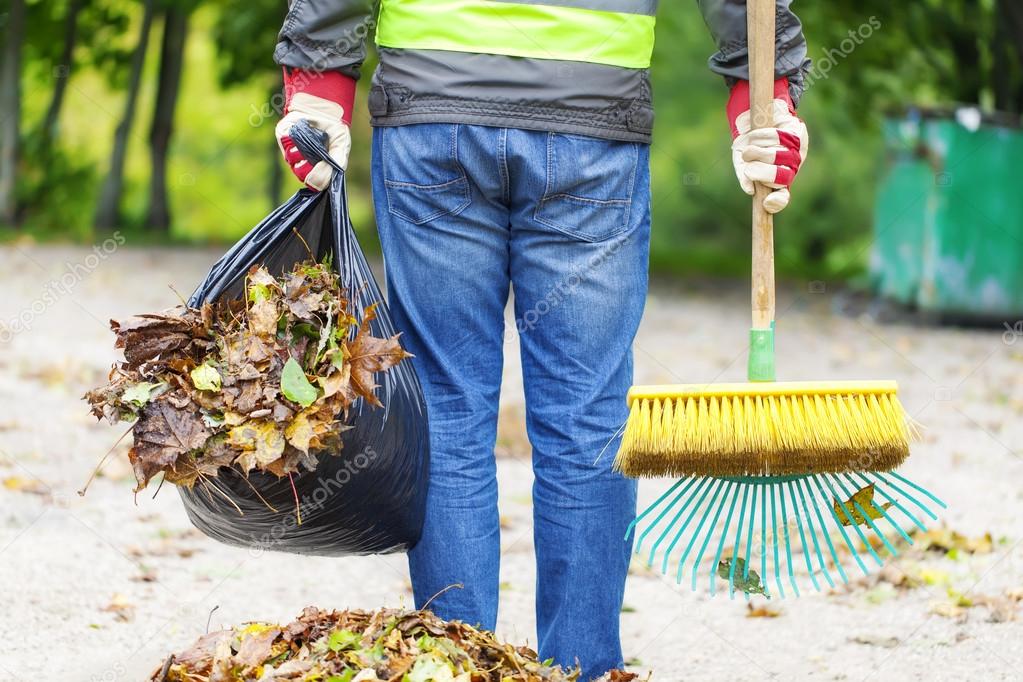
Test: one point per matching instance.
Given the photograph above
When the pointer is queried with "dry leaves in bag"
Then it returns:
(261, 383)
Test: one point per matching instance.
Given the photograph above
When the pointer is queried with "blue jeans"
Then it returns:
(463, 213)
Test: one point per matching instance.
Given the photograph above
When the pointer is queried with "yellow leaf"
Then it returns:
(24, 485)
(947, 609)
(933, 576)
(299, 432)
(865, 498)
(261, 438)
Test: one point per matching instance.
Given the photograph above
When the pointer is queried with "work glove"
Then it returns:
(770, 156)
(324, 99)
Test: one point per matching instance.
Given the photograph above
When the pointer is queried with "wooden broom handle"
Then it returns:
(760, 40)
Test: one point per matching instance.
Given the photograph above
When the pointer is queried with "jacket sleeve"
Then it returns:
(727, 22)
(325, 35)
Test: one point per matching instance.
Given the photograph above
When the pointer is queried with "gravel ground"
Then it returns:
(102, 587)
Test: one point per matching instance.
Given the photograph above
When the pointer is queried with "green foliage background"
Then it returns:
(223, 154)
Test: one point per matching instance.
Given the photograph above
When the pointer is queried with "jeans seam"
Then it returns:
(502, 155)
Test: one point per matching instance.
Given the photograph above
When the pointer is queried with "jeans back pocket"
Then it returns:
(588, 194)
(422, 177)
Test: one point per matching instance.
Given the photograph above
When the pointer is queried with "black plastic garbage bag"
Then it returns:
(370, 497)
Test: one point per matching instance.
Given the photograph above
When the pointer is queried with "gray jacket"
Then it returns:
(421, 86)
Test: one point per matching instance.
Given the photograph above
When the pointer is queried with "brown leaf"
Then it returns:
(368, 354)
(762, 611)
(621, 676)
(163, 434)
(263, 318)
(256, 648)
(122, 609)
(248, 396)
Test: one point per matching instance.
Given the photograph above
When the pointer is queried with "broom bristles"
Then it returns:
(763, 429)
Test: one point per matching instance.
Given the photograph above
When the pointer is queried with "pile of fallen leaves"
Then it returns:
(263, 382)
(360, 646)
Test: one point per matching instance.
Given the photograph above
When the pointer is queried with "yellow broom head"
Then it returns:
(771, 428)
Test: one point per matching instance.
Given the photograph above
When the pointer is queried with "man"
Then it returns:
(510, 150)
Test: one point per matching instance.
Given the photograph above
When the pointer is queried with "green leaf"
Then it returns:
(346, 676)
(259, 292)
(305, 329)
(295, 386)
(139, 393)
(343, 639)
(205, 377)
(430, 668)
(749, 584)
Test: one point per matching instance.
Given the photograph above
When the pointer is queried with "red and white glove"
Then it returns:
(770, 156)
(324, 98)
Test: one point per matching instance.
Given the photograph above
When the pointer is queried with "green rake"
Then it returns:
(693, 506)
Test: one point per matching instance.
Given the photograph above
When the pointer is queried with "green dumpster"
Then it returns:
(948, 225)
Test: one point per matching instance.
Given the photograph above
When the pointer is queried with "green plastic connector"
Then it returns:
(761, 354)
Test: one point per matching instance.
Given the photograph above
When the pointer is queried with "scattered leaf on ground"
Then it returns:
(876, 640)
(761, 611)
(946, 540)
(122, 609)
(24, 485)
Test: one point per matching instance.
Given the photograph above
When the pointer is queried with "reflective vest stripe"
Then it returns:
(519, 29)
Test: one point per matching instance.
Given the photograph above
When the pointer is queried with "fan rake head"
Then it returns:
(752, 532)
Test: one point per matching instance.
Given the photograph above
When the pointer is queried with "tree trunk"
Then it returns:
(172, 57)
(108, 212)
(10, 110)
(1007, 49)
(62, 72)
(276, 183)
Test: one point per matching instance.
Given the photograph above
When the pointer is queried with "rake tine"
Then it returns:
(884, 513)
(774, 539)
(895, 503)
(852, 522)
(653, 550)
(763, 541)
(735, 544)
(866, 517)
(710, 532)
(646, 512)
(692, 541)
(749, 537)
(802, 537)
(788, 548)
(925, 491)
(824, 532)
(908, 496)
(657, 519)
(721, 543)
(841, 528)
